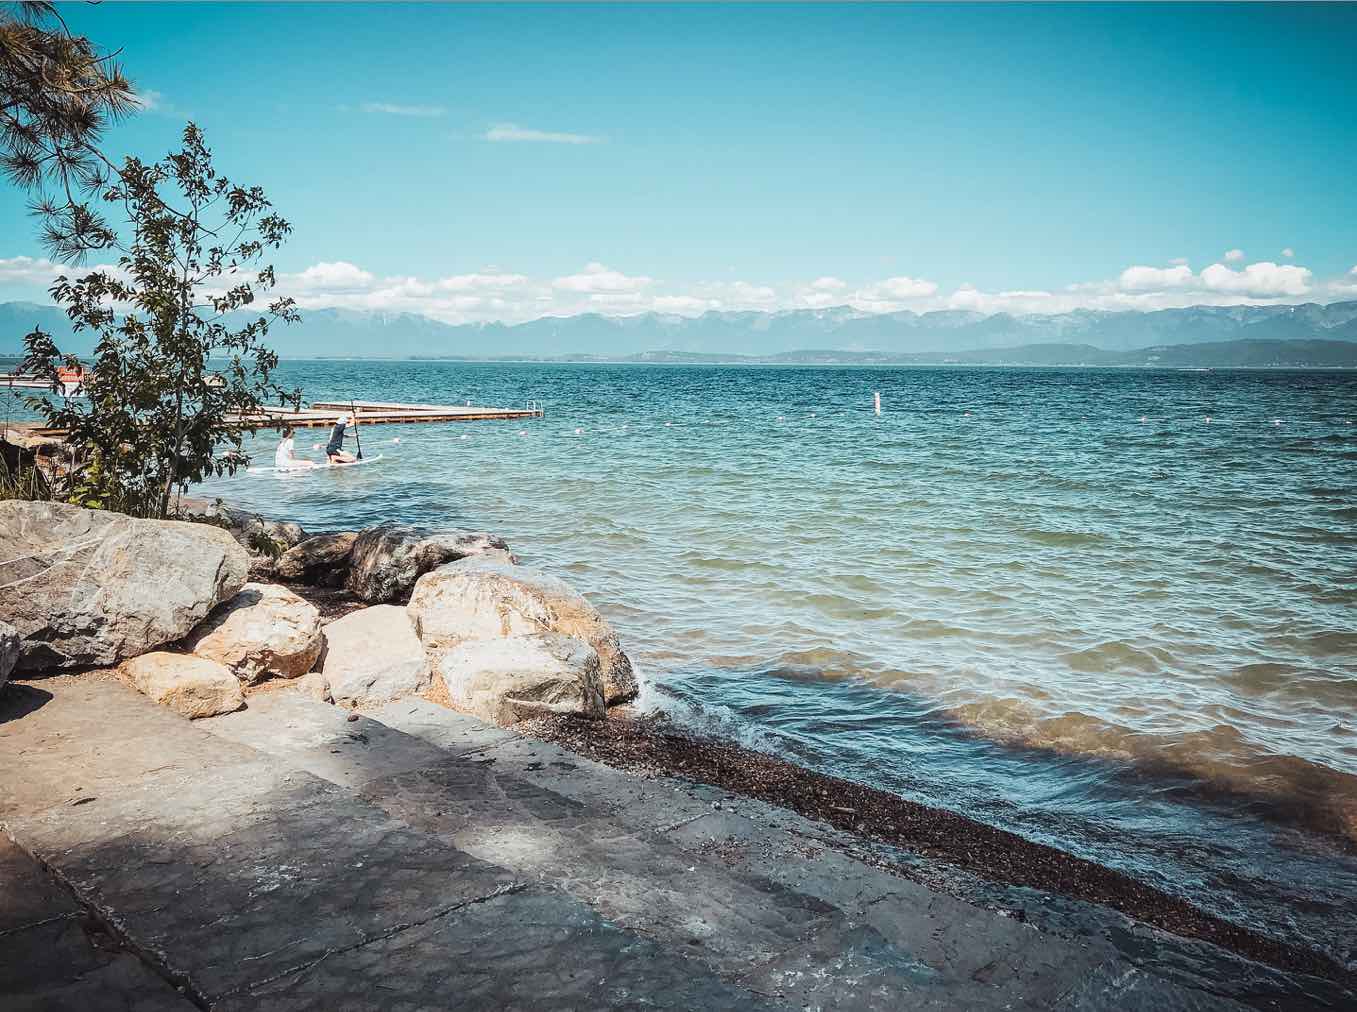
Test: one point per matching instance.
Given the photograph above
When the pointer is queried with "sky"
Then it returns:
(504, 163)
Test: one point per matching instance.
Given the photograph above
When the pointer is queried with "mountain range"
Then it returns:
(1301, 334)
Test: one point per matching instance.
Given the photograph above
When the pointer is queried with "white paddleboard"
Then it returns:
(308, 470)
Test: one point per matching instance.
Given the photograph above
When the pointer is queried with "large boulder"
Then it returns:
(264, 630)
(88, 587)
(9, 651)
(322, 560)
(386, 561)
(251, 531)
(512, 679)
(189, 685)
(485, 598)
(373, 656)
(264, 540)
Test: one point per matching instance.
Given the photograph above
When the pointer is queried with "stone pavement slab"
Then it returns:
(533, 950)
(235, 874)
(54, 957)
(287, 857)
(320, 738)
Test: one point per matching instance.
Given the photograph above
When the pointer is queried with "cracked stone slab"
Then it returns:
(646, 884)
(320, 738)
(1128, 989)
(535, 949)
(229, 896)
(28, 895)
(52, 957)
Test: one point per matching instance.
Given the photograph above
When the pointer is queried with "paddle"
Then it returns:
(354, 408)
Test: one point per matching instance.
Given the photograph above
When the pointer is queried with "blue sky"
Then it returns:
(505, 162)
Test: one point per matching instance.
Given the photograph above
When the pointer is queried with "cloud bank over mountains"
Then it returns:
(494, 294)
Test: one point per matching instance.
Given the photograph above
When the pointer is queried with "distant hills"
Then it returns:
(1305, 335)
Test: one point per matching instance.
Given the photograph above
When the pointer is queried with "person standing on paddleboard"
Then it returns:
(334, 449)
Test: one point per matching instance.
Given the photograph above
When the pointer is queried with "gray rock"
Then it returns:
(249, 529)
(512, 679)
(386, 561)
(9, 651)
(322, 560)
(89, 587)
(373, 656)
(484, 598)
(190, 686)
(264, 630)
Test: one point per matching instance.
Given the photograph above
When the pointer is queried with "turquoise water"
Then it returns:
(1061, 601)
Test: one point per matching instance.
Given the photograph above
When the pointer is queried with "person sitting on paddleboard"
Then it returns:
(283, 459)
(334, 449)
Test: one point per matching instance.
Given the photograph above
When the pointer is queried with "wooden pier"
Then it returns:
(321, 414)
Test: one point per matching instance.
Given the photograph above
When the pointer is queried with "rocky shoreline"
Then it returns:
(654, 747)
(200, 616)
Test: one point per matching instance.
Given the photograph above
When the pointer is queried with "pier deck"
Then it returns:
(319, 415)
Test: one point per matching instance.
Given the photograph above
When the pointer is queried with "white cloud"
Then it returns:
(490, 280)
(329, 276)
(1342, 288)
(1234, 254)
(149, 100)
(1149, 279)
(501, 132)
(596, 278)
(828, 284)
(27, 270)
(396, 109)
(1261, 280)
(1288, 252)
(495, 293)
(906, 288)
(892, 294)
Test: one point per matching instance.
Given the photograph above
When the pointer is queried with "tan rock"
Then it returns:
(512, 679)
(189, 685)
(485, 598)
(373, 656)
(264, 630)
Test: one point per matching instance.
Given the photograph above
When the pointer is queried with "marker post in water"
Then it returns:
(876, 402)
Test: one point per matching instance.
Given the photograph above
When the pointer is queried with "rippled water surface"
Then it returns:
(1110, 610)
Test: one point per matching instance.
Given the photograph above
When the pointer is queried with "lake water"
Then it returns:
(1109, 610)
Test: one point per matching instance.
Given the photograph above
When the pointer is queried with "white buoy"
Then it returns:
(876, 402)
(579, 432)
(779, 418)
(1142, 418)
(315, 446)
(668, 424)
(522, 432)
(1208, 419)
(397, 439)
